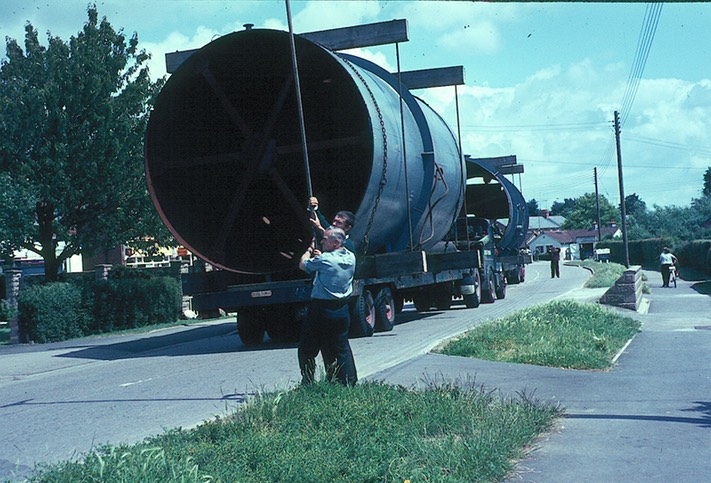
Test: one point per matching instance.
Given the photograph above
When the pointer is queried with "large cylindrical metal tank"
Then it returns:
(490, 195)
(224, 160)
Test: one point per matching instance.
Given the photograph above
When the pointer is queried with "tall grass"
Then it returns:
(604, 274)
(325, 432)
(558, 334)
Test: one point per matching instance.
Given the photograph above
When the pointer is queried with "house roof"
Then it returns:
(572, 236)
(545, 223)
(592, 233)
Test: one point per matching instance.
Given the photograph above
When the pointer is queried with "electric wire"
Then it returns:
(646, 37)
(644, 44)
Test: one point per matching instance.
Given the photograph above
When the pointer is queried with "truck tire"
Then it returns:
(487, 289)
(362, 315)
(472, 301)
(283, 325)
(501, 287)
(513, 276)
(384, 310)
(399, 303)
(422, 302)
(250, 326)
(443, 298)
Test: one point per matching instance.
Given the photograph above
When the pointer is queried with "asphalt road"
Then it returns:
(58, 401)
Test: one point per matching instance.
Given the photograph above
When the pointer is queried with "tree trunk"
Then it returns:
(47, 240)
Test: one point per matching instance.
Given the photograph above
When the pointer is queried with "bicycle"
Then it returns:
(673, 275)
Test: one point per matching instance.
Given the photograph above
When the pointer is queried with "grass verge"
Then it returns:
(325, 432)
(557, 334)
(604, 274)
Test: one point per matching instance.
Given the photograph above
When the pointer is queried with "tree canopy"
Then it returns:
(563, 208)
(681, 223)
(72, 121)
(584, 212)
(532, 206)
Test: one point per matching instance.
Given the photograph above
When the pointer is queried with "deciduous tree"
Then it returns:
(562, 209)
(72, 120)
(584, 212)
(532, 206)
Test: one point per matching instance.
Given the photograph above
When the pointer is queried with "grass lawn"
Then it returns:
(557, 334)
(325, 432)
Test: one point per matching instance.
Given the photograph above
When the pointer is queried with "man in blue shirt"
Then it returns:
(328, 320)
(343, 220)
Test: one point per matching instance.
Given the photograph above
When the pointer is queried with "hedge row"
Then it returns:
(642, 252)
(63, 310)
(695, 254)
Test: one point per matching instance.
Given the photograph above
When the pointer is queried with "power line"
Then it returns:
(627, 165)
(668, 144)
(644, 44)
(534, 127)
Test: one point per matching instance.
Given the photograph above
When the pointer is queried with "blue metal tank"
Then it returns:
(225, 167)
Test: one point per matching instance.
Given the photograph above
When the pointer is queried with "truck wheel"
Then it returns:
(399, 303)
(362, 315)
(501, 287)
(514, 276)
(472, 301)
(443, 299)
(384, 310)
(487, 289)
(422, 302)
(283, 325)
(250, 326)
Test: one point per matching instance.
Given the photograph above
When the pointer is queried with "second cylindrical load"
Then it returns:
(225, 166)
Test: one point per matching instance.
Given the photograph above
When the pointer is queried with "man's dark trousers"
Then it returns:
(326, 329)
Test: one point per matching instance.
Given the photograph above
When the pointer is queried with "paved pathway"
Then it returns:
(648, 419)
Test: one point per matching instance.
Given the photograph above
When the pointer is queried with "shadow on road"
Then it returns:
(235, 397)
(212, 339)
(703, 288)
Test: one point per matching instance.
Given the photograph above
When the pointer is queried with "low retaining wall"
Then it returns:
(627, 291)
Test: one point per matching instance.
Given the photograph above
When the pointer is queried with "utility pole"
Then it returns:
(597, 204)
(623, 209)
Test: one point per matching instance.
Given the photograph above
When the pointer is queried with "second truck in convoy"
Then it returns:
(228, 174)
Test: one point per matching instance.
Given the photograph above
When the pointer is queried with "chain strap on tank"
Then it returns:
(383, 177)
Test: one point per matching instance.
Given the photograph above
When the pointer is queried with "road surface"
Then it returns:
(58, 401)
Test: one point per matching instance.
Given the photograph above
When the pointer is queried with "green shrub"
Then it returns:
(52, 312)
(696, 254)
(6, 311)
(80, 306)
(642, 252)
(126, 303)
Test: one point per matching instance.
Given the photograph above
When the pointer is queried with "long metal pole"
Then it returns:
(623, 209)
(300, 107)
(404, 147)
(597, 204)
(463, 165)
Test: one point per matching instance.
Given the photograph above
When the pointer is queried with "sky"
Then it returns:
(543, 80)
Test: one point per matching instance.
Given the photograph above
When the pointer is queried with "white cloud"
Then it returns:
(482, 37)
(176, 41)
(320, 15)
